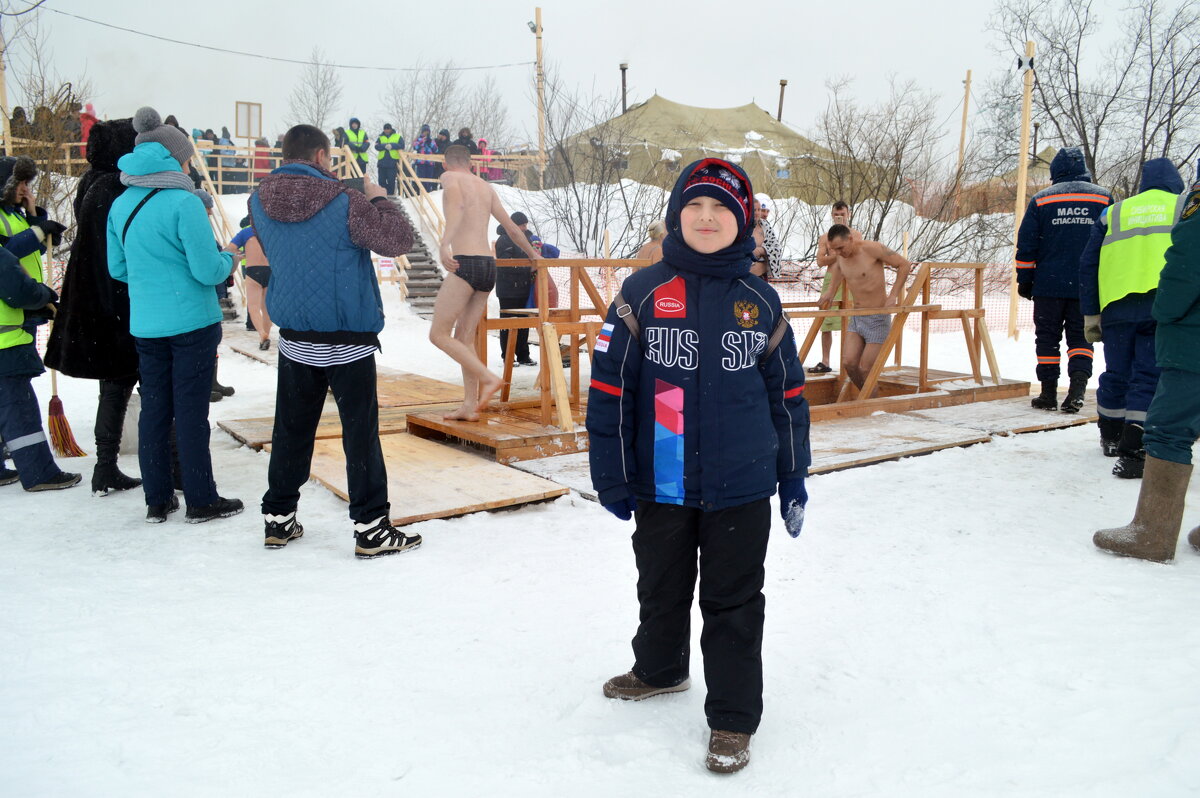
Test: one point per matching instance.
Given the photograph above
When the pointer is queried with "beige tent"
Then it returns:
(652, 140)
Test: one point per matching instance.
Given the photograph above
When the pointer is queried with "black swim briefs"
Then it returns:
(478, 270)
(259, 274)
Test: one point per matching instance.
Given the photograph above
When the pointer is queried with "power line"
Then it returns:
(277, 58)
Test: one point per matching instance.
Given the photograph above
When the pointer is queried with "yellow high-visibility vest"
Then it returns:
(1135, 246)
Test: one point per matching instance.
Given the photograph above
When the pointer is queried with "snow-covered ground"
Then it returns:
(943, 627)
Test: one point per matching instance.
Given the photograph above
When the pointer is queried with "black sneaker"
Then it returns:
(527, 362)
(157, 513)
(280, 529)
(8, 476)
(378, 538)
(63, 480)
(264, 344)
(221, 508)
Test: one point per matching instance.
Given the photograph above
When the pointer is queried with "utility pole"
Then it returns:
(4, 121)
(623, 68)
(541, 99)
(782, 86)
(962, 140)
(1025, 64)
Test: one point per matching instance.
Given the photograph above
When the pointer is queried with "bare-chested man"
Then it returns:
(465, 252)
(826, 259)
(860, 265)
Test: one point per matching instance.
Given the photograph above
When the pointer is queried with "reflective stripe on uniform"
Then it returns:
(32, 439)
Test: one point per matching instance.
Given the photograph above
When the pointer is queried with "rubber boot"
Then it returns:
(110, 418)
(217, 387)
(1110, 435)
(1074, 399)
(1048, 398)
(1131, 457)
(1154, 530)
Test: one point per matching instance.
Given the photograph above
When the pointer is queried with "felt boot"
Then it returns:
(1048, 398)
(1154, 530)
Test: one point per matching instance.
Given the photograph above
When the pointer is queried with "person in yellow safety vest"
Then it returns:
(1118, 279)
(359, 144)
(25, 302)
(389, 144)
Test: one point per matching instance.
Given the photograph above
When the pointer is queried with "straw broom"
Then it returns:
(61, 437)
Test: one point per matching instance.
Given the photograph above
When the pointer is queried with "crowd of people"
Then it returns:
(696, 411)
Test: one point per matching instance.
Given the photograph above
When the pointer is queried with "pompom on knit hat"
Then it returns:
(714, 179)
(150, 127)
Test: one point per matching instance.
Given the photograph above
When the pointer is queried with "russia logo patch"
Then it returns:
(603, 339)
(670, 300)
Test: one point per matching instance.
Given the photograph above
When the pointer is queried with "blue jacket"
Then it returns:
(687, 413)
(318, 236)
(1056, 227)
(1160, 174)
(169, 257)
(19, 290)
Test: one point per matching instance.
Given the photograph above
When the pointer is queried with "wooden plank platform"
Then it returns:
(510, 434)
(256, 432)
(897, 393)
(431, 480)
(1010, 416)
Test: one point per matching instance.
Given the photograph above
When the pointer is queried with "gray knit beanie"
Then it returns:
(150, 127)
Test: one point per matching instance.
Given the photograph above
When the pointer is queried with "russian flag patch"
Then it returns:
(605, 336)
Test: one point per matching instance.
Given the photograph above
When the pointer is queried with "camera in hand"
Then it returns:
(355, 183)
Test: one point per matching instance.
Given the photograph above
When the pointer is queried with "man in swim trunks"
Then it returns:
(860, 265)
(467, 202)
(826, 259)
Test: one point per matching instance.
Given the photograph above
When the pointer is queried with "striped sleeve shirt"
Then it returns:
(324, 355)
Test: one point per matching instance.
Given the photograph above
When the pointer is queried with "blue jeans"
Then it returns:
(1173, 422)
(1130, 371)
(21, 430)
(176, 374)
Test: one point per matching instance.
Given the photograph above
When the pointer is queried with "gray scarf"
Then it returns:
(159, 180)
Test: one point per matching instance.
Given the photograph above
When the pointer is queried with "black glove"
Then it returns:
(47, 311)
(1025, 290)
(51, 228)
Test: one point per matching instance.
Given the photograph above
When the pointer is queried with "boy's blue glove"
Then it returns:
(622, 508)
(792, 498)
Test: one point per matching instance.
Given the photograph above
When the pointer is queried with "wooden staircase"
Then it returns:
(424, 275)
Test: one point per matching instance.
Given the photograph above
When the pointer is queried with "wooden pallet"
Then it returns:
(431, 480)
(509, 434)
(256, 432)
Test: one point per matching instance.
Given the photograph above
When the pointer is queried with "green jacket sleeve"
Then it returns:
(1179, 283)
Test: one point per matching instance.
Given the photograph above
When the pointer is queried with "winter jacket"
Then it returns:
(1177, 303)
(1056, 227)
(424, 145)
(466, 142)
(318, 236)
(90, 338)
(20, 292)
(689, 411)
(513, 282)
(168, 257)
(1158, 174)
(18, 327)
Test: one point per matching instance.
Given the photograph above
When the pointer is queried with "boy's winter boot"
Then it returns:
(629, 687)
(1074, 399)
(280, 529)
(378, 538)
(1154, 530)
(728, 752)
(1048, 398)
(1131, 457)
(110, 418)
(221, 508)
(1110, 435)
(8, 476)
(62, 481)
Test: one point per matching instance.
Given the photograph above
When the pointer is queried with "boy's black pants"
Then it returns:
(1052, 317)
(732, 545)
(298, 403)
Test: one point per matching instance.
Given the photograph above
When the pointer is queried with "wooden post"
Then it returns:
(923, 368)
(541, 100)
(8, 147)
(782, 86)
(900, 342)
(1022, 180)
(962, 141)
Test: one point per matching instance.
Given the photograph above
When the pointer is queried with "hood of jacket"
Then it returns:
(298, 191)
(731, 262)
(1069, 165)
(108, 141)
(148, 158)
(1161, 174)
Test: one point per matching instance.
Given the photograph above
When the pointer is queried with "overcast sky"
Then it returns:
(712, 54)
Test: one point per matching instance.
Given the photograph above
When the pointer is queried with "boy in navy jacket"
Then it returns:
(696, 413)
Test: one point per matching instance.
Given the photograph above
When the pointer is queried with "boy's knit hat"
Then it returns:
(713, 179)
(150, 127)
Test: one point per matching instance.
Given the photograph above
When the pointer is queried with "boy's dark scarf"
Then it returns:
(730, 263)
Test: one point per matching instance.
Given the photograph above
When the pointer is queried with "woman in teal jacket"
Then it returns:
(160, 243)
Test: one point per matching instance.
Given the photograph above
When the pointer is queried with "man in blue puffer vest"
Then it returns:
(696, 413)
(318, 236)
(1053, 233)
